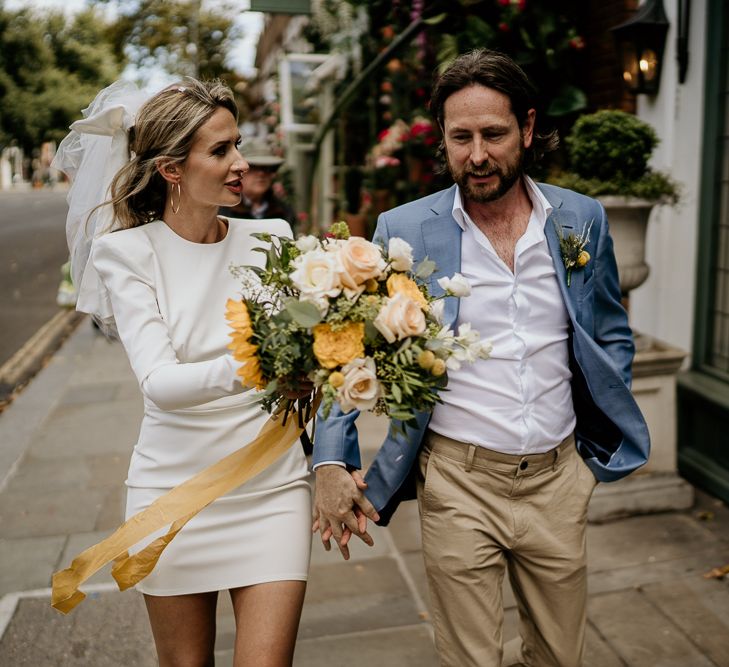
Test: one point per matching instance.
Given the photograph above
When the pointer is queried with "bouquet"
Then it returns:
(351, 318)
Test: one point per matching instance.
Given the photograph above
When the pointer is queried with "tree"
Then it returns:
(51, 66)
(181, 36)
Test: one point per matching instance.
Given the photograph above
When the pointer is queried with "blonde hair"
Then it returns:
(164, 129)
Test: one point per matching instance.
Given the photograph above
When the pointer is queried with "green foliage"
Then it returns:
(609, 152)
(611, 144)
(540, 37)
(182, 37)
(51, 66)
(653, 186)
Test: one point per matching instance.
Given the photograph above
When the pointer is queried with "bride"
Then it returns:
(161, 281)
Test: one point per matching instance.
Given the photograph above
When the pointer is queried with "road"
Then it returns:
(32, 250)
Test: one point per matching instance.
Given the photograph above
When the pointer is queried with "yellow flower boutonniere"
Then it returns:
(572, 248)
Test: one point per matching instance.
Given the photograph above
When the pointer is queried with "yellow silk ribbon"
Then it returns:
(175, 507)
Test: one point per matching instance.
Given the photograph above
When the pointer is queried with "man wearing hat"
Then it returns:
(258, 199)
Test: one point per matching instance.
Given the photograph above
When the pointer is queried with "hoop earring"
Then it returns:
(175, 209)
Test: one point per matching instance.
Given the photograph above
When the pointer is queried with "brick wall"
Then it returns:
(601, 75)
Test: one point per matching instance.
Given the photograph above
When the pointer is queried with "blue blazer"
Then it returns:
(611, 434)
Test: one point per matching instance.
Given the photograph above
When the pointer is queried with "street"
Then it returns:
(32, 250)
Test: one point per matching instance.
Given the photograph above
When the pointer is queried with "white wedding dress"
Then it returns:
(168, 298)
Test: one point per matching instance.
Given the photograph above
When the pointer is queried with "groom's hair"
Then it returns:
(491, 69)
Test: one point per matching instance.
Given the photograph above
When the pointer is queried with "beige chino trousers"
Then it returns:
(483, 513)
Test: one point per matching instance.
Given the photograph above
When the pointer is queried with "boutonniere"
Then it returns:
(572, 247)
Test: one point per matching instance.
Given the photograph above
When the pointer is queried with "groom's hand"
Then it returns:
(341, 508)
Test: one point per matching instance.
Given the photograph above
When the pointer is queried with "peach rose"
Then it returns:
(399, 318)
(360, 260)
(360, 389)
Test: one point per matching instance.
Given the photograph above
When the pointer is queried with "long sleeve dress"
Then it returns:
(168, 298)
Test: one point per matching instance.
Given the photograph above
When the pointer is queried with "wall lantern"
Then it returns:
(640, 42)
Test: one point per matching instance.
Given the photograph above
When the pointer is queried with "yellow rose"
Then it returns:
(400, 283)
(583, 258)
(334, 348)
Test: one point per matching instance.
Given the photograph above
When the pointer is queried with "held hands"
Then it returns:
(341, 508)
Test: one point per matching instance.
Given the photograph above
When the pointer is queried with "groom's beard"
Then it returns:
(481, 193)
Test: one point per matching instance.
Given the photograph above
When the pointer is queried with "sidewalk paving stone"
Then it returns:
(698, 607)
(366, 595)
(27, 562)
(34, 513)
(641, 634)
(107, 630)
(409, 646)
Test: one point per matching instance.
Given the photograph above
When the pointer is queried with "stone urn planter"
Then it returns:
(628, 220)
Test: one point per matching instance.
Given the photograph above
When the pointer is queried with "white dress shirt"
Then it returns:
(519, 401)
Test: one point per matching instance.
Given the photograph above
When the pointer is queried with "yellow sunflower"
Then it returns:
(243, 350)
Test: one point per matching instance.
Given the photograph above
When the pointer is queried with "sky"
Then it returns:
(241, 59)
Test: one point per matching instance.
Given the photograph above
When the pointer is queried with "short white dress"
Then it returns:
(168, 297)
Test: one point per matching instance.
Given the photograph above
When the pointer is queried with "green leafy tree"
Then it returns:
(51, 66)
(180, 36)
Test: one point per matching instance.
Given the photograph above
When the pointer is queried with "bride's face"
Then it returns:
(212, 172)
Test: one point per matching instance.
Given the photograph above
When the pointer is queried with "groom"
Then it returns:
(506, 465)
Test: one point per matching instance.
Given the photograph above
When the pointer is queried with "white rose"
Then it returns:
(360, 260)
(307, 243)
(400, 253)
(316, 274)
(361, 388)
(455, 286)
(399, 318)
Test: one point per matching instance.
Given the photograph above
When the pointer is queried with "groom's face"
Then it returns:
(484, 143)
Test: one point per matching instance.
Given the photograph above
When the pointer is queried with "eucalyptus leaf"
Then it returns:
(425, 269)
(402, 416)
(270, 388)
(371, 332)
(304, 313)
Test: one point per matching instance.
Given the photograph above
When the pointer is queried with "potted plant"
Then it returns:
(608, 154)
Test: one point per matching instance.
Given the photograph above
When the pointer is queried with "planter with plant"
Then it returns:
(608, 154)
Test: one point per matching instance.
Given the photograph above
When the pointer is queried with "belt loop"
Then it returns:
(469, 457)
(556, 458)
